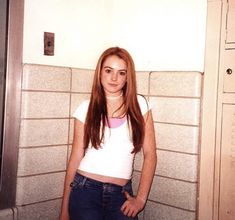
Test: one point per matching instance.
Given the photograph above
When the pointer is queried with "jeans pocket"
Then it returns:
(78, 182)
(74, 185)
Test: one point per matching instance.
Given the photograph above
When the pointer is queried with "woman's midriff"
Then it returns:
(104, 179)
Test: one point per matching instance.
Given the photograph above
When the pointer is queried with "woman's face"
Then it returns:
(113, 75)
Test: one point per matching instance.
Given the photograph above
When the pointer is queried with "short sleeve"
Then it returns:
(145, 106)
(81, 111)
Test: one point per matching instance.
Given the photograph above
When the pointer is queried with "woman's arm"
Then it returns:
(77, 154)
(133, 205)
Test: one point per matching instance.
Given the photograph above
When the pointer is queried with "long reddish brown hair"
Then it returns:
(97, 111)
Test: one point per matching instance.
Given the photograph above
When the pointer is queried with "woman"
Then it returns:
(109, 130)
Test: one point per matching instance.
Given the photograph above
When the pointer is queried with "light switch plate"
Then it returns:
(49, 43)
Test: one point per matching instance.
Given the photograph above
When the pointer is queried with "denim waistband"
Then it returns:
(83, 180)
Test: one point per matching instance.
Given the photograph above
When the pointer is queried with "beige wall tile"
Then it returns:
(175, 84)
(176, 110)
(177, 137)
(174, 193)
(170, 192)
(177, 165)
(6, 214)
(138, 161)
(39, 77)
(44, 132)
(42, 160)
(142, 80)
(48, 210)
(173, 165)
(45, 105)
(154, 211)
(34, 189)
(141, 215)
(135, 181)
(82, 80)
(76, 100)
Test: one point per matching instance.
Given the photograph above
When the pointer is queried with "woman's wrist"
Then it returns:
(141, 199)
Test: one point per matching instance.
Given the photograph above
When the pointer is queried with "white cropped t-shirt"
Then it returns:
(114, 157)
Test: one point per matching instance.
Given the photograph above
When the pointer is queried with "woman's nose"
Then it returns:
(114, 76)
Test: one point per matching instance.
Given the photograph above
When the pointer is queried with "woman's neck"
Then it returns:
(108, 97)
(115, 106)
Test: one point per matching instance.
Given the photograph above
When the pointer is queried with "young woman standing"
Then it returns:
(109, 130)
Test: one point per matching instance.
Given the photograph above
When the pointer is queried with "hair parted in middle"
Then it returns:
(97, 113)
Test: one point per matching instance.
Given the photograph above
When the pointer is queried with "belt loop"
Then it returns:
(83, 181)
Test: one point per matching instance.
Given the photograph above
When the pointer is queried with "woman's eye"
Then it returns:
(122, 73)
(107, 70)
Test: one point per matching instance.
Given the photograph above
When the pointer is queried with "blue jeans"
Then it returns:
(94, 200)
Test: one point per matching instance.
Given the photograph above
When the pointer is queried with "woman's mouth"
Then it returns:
(112, 84)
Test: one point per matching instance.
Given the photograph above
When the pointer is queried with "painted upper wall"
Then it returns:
(160, 35)
(81, 31)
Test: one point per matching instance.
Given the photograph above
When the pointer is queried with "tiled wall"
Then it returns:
(44, 141)
(175, 97)
(49, 97)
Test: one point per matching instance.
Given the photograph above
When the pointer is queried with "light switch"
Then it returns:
(49, 43)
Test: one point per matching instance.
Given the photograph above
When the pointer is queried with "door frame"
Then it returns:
(11, 128)
(211, 112)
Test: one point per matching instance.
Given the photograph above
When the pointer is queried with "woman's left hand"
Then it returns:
(132, 206)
